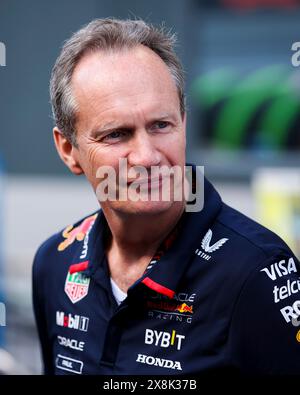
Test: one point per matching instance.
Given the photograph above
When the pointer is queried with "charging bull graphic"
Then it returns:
(71, 234)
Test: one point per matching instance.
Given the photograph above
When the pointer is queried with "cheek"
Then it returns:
(90, 162)
(96, 157)
(174, 148)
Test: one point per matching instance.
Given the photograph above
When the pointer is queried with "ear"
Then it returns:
(67, 152)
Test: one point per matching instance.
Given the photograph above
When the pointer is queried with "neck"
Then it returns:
(137, 236)
(134, 241)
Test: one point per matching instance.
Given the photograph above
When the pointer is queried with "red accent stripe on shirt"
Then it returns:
(158, 288)
(78, 267)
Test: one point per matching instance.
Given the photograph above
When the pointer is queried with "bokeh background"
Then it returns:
(243, 96)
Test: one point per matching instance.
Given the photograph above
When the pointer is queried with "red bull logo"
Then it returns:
(71, 234)
(168, 307)
(184, 308)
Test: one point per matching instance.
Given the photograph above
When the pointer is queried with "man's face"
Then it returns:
(128, 109)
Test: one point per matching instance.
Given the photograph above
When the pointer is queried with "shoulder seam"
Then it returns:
(249, 240)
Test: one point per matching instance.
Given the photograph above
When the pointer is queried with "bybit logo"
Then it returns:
(2, 314)
(163, 339)
(2, 54)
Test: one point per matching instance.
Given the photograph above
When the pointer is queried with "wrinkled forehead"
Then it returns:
(123, 76)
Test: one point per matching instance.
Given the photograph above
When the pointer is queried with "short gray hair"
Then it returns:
(106, 34)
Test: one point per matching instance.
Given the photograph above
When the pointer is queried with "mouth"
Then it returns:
(150, 182)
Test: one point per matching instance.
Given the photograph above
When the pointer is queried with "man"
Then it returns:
(144, 285)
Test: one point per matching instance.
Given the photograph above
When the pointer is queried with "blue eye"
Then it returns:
(117, 134)
(114, 135)
(162, 124)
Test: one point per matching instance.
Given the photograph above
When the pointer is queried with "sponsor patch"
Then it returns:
(180, 308)
(74, 344)
(69, 364)
(76, 286)
(166, 311)
(207, 247)
(164, 339)
(280, 269)
(291, 313)
(72, 321)
(71, 234)
(161, 362)
(170, 307)
(285, 291)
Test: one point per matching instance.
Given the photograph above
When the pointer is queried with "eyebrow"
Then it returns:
(113, 125)
(105, 128)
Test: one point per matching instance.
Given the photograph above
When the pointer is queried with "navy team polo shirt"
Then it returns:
(224, 295)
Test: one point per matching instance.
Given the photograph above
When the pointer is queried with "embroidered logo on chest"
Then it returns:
(76, 286)
(207, 247)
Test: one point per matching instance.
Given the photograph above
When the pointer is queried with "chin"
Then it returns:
(141, 208)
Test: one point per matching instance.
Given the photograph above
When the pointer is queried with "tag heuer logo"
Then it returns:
(77, 286)
(207, 247)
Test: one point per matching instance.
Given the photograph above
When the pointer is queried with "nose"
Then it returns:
(143, 151)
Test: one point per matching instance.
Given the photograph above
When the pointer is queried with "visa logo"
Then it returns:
(280, 269)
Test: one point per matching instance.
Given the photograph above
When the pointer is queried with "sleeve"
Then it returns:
(40, 315)
(264, 335)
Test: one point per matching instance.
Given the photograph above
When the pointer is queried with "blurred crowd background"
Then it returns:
(243, 96)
